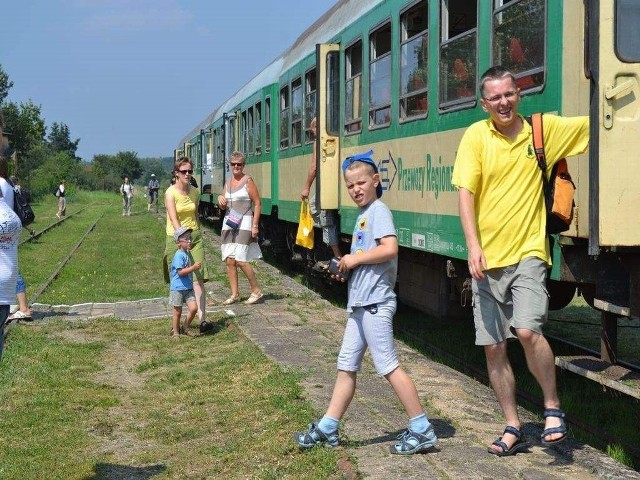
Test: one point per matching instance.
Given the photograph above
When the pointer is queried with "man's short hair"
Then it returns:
(496, 72)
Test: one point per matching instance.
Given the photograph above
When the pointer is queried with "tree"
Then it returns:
(5, 84)
(26, 126)
(59, 140)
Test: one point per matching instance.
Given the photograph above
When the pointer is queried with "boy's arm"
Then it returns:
(387, 249)
(191, 268)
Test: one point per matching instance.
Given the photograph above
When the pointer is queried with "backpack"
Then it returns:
(559, 188)
(21, 199)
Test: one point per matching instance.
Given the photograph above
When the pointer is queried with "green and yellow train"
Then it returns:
(400, 77)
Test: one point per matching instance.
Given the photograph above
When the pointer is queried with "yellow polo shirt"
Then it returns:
(505, 179)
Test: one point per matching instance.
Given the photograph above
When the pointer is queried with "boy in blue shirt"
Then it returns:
(373, 262)
(181, 286)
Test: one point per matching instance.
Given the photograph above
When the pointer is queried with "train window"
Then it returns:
(267, 124)
(232, 134)
(380, 77)
(257, 128)
(217, 147)
(250, 129)
(243, 133)
(353, 88)
(627, 39)
(519, 40)
(458, 52)
(310, 87)
(332, 125)
(284, 117)
(414, 56)
(296, 112)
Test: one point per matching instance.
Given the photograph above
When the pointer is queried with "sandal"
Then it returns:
(410, 442)
(174, 335)
(562, 428)
(231, 299)
(520, 444)
(314, 436)
(185, 331)
(253, 298)
(19, 315)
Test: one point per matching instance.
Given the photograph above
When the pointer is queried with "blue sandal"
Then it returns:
(520, 444)
(409, 442)
(554, 412)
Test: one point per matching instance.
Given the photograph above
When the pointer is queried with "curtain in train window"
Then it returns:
(250, 129)
(243, 135)
(353, 88)
(310, 87)
(296, 112)
(414, 61)
(519, 40)
(257, 128)
(380, 77)
(458, 52)
(284, 117)
(267, 124)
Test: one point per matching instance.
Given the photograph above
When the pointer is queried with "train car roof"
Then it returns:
(336, 19)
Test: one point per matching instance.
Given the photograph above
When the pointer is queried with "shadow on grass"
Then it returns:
(104, 471)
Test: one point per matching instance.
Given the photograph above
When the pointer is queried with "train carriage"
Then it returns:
(400, 78)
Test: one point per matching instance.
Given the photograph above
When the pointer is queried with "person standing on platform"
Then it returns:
(371, 304)
(503, 216)
(181, 202)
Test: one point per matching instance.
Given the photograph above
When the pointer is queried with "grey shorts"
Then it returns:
(509, 298)
(372, 327)
(326, 219)
(179, 297)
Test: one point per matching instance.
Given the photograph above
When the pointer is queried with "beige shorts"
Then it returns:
(509, 298)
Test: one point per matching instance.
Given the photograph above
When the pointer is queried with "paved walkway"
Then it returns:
(301, 332)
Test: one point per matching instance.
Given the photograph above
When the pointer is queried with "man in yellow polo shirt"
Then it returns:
(503, 217)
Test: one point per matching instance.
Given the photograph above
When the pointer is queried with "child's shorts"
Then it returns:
(179, 297)
(370, 326)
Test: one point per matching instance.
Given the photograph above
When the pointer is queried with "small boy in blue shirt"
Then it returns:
(181, 286)
(373, 262)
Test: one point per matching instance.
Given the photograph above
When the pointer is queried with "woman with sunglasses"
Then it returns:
(239, 242)
(181, 203)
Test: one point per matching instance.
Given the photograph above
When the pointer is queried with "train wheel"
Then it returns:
(560, 294)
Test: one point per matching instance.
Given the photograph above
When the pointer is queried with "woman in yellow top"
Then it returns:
(181, 202)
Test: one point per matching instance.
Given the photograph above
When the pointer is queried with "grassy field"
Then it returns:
(106, 399)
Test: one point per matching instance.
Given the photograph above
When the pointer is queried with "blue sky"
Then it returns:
(139, 74)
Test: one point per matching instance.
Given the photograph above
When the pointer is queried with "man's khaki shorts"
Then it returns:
(509, 298)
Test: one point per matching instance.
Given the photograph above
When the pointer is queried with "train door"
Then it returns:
(328, 118)
(615, 123)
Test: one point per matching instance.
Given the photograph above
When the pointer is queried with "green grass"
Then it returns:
(121, 259)
(77, 398)
(106, 399)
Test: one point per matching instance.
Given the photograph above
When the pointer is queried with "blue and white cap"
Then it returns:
(364, 158)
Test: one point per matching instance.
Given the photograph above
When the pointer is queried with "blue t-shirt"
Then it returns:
(181, 260)
(372, 283)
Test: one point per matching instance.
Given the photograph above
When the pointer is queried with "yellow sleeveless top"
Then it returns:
(186, 208)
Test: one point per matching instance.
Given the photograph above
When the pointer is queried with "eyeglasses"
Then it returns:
(188, 240)
(184, 172)
(233, 164)
(507, 96)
